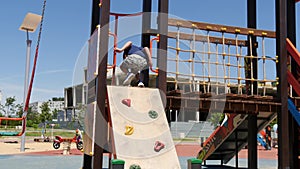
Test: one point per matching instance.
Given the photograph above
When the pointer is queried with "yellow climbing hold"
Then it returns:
(129, 130)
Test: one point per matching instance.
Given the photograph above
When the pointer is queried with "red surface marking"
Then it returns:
(192, 151)
(262, 153)
(187, 150)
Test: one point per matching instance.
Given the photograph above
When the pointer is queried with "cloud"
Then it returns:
(38, 94)
(37, 74)
(53, 71)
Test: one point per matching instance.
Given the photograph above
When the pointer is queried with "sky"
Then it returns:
(66, 29)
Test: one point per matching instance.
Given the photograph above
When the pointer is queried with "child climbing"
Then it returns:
(135, 60)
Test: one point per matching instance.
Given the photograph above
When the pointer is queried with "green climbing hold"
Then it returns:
(134, 166)
(153, 114)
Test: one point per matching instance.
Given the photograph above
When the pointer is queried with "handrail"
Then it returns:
(292, 81)
(296, 56)
(293, 51)
(115, 53)
(151, 42)
(123, 14)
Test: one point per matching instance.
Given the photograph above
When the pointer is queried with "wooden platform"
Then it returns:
(231, 103)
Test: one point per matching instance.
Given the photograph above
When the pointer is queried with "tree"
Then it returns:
(10, 106)
(58, 99)
(45, 115)
(33, 118)
(54, 114)
(19, 110)
(216, 119)
(1, 110)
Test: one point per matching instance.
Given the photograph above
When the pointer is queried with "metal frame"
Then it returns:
(284, 28)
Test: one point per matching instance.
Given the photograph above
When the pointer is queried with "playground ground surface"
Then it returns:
(42, 155)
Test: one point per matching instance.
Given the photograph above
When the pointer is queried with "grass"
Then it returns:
(48, 134)
(31, 132)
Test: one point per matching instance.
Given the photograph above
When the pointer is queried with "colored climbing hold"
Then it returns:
(129, 130)
(158, 146)
(153, 114)
(127, 102)
(134, 166)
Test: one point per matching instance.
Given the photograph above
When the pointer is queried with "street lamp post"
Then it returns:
(29, 24)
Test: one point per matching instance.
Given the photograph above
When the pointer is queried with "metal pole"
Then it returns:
(101, 124)
(146, 25)
(252, 51)
(208, 62)
(284, 147)
(26, 81)
(163, 10)
(295, 69)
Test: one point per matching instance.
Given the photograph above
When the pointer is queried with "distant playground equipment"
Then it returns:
(42, 139)
(261, 139)
(76, 139)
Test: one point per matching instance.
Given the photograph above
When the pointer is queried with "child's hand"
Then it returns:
(118, 50)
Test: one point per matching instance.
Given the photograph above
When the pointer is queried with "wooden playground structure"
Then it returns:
(223, 64)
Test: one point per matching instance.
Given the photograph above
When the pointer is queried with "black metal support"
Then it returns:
(252, 141)
(295, 69)
(163, 10)
(251, 22)
(236, 150)
(101, 115)
(252, 119)
(87, 162)
(95, 19)
(147, 8)
(284, 146)
(95, 16)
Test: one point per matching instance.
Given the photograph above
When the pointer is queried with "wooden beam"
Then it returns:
(221, 28)
(230, 106)
(212, 39)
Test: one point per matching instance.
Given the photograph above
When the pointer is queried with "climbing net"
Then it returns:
(219, 59)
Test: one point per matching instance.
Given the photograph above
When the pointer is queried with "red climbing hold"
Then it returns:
(127, 102)
(158, 146)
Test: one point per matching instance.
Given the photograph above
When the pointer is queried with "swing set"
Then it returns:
(26, 106)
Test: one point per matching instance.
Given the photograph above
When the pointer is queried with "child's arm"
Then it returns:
(127, 44)
(147, 51)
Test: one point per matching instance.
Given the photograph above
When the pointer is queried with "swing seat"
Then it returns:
(8, 133)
